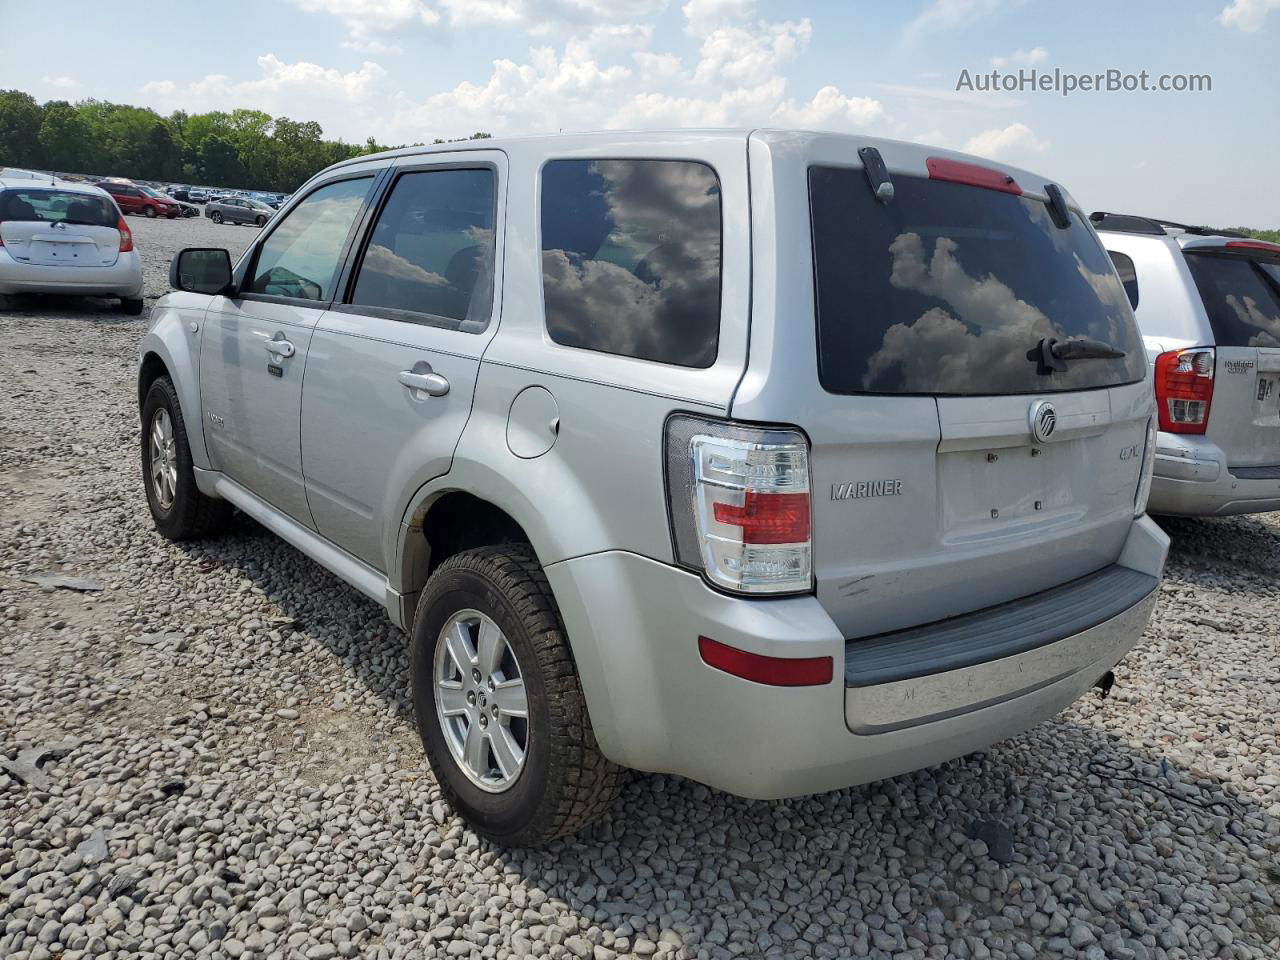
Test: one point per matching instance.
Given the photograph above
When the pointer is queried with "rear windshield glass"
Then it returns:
(57, 205)
(946, 288)
(1241, 297)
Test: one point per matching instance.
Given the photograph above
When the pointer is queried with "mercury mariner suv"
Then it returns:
(777, 460)
(1208, 305)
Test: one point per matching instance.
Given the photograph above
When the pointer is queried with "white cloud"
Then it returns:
(1022, 58)
(1247, 15)
(943, 15)
(743, 55)
(1002, 141)
(703, 16)
(970, 98)
(830, 110)
(60, 82)
(657, 67)
(301, 90)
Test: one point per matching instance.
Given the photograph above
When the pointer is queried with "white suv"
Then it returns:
(68, 238)
(1208, 305)
(777, 460)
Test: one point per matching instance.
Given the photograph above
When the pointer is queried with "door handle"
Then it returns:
(423, 378)
(279, 345)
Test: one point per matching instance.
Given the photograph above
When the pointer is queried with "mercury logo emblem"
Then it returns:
(1044, 420)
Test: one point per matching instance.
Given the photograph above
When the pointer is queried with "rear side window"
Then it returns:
(57, 206)
(431, 251)
(631, 258)
(1241, 298)
(947, 288)
(300, 258)
(1128, 275)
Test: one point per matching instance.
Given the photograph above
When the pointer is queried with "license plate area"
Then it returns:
(62, 252)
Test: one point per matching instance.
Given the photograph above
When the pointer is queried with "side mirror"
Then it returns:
(201, 270)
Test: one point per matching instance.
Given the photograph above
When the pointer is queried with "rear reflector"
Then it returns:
(957, 171)
(1261, 245)
(1184, 389)
(773, 671)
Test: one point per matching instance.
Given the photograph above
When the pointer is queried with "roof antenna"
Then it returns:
(877, 175)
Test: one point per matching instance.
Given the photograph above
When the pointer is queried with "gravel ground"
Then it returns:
(214, 756)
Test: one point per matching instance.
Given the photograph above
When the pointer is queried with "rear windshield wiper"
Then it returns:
(1051, 354)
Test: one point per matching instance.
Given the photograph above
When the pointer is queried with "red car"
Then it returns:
(133, 198)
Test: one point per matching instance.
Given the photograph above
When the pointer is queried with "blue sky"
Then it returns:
(409, 70)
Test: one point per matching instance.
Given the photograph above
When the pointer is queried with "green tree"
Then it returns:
(65, 138)
(219, 164)
(20, 120)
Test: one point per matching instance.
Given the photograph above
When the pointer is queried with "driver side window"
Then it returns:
(302, 255)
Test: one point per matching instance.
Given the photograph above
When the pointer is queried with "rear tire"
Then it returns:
(216, 216)
(178, 508)
(562, 782)
(130, 306)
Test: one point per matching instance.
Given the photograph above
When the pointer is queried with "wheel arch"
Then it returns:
(171, 349)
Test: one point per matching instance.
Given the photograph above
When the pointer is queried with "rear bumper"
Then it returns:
(1193, 478)
(122, 279)
(655, 705)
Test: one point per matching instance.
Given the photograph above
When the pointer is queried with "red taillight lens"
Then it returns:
(972, 174)
(768, 517)
(774, 671)
(1184, 389)
(126, 236)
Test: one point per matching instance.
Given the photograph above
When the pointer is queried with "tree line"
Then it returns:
(243, 148)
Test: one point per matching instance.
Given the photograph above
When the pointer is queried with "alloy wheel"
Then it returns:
(163, 460)
(481, 700)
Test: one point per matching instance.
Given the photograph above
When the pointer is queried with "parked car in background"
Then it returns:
(197, 195)
(238, 210)
(1208, 305)
(133, 198)
(187, 209)
(780, 482)
(179, 193)
(66, 239)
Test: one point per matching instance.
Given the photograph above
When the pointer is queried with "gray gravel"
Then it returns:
(227, 766)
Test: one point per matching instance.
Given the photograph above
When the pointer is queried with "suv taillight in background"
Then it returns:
(1184, 389)
(739, 502)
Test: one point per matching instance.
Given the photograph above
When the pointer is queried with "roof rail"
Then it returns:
(1153, 226)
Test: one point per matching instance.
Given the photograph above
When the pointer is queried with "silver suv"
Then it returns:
(1208, 305)
(778, 460)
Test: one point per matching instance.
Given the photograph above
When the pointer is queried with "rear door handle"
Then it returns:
(423, 378)
(279, 345)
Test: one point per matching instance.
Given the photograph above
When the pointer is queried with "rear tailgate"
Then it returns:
(933, 496)
(1240, 289)
(51, 227)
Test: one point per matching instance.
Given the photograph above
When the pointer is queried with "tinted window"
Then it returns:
(631, 258)
(431, 250)
(300, 257)
(1241, 299)
(946, 288)
(57, 205)
(1128, 275)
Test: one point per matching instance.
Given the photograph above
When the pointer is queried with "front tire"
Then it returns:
(499, 705)
(150, 212)
(216, 216)
(178, 508)
(261, 221)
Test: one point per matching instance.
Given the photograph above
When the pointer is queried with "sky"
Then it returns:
(405, 71)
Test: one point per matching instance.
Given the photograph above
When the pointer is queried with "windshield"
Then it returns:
(57, 206)
(1241, 296)
(947, 288)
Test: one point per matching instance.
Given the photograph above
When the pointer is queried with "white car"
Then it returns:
(60, 237)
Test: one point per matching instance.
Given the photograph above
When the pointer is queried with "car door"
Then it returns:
(393, 364)
(255, 342)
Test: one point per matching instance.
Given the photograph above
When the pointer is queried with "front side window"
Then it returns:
(949, 289)
(57, 206)
(431, 250)
(631, 258)
(301, 256)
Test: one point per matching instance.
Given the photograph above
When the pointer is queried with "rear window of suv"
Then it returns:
(1241, 297)
(948, 287)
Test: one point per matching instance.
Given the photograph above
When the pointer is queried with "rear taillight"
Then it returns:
(739, 502)
(1184, 389)
(126, 236)
(1148, 466)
